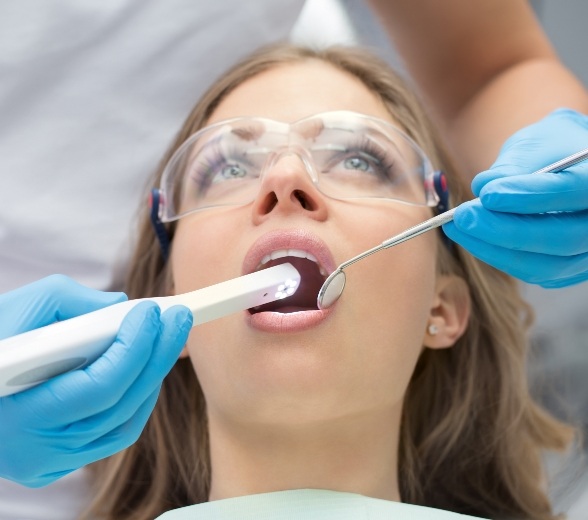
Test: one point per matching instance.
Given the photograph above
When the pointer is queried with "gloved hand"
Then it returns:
(510, 228)
(82, 416)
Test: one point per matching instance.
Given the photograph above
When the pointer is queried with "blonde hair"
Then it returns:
(471, 436)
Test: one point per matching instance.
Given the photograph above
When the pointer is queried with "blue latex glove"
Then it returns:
(82, 416)
(508, 227)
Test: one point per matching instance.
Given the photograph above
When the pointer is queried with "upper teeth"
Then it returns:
(281, 253)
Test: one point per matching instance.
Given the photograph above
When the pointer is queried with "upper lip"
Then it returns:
(288, 239)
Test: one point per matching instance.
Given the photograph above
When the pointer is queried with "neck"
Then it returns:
(355, 455)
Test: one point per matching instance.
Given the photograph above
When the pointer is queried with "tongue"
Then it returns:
(304, 299)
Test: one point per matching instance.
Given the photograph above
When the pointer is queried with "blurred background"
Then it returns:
(558, 363)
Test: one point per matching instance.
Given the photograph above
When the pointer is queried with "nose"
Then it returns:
(288, 189)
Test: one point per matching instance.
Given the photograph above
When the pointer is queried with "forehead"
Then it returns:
(294, 91)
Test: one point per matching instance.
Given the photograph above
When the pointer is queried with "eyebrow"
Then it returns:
(250, 132)
(375, 135)
(310, 128)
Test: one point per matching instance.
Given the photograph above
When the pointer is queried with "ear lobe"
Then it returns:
(449, 314)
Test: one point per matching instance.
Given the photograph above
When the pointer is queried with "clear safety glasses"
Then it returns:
(347, 156)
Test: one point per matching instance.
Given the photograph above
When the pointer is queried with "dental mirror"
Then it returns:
(333, 286)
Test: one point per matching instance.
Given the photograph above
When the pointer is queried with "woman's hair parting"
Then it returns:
(471, 436)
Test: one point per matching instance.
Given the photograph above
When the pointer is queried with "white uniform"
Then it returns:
(91, 94)
(310, 504)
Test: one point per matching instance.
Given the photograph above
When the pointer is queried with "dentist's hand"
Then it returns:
(82, 416)
(534, 227)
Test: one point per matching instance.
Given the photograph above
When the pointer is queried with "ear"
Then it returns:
(449, 314)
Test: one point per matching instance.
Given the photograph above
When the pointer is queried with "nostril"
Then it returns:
(269, 203)
(304, 200)
(299, 197)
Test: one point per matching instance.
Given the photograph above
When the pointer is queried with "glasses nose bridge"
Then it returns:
(294, 150)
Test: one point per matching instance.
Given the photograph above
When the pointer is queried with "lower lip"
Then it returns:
(277, 322)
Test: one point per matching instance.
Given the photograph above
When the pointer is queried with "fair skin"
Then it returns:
(486, 69)
(316, 406)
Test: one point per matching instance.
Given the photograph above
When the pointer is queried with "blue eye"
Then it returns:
(231, 171)
(356, 163)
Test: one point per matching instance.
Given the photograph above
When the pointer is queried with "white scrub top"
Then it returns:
(309, 504)
(91, 95)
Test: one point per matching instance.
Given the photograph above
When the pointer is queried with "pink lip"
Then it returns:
(287, 239)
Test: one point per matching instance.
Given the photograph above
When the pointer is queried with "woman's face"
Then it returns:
(288, 368)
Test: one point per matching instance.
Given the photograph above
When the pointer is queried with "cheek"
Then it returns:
(197, 258)
(387, 301)
(200, 258)
(399, 280)
(398, 289)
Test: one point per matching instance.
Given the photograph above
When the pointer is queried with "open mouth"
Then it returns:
(312, 277)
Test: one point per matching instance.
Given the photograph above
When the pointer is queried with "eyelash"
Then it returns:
(365, 146)
(212, 162)
(215, 158)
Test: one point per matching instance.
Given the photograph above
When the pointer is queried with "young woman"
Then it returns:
(411, 388)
